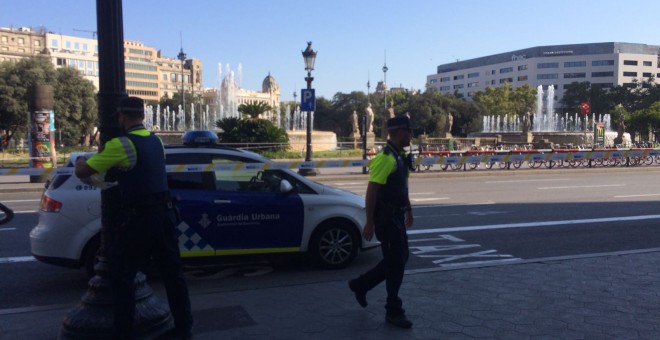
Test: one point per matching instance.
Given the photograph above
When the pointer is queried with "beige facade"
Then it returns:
(149, 75)
(18, 43)
(171, 75)
(231, 93)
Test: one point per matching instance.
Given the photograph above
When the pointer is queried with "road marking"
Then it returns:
(530, 180)
(17, 259)
(26, 211)
(17, 201)
(429, 199)
(7, 229)
(452, 205)
(421, 193)
(582, 186)
(628, 196)
(533, 224)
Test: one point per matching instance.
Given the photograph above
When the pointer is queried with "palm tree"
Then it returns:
(253, 110)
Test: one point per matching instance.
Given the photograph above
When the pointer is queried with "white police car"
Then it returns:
(224, 213)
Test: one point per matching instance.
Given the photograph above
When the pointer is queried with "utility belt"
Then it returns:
(152, 201)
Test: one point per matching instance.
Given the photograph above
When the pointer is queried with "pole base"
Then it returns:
(308, 172)
(93, 317)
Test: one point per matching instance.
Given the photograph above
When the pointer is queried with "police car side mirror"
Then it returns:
(285, 186)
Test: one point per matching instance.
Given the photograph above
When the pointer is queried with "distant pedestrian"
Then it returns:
(148, 216)
(389, 214)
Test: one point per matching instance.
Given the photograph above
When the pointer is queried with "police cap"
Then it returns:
(131, 106)
(399, 122)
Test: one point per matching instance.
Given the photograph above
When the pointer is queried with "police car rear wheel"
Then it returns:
(334, 244)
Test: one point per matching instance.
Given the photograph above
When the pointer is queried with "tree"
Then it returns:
(252, 131)
(76, 111)
(577, 93)
(254, 110)
(16, 80)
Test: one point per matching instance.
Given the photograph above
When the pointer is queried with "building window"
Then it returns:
(474, 84)
(444, 88)
(506, 70)
(630, 62)
(506, 80)
(602, 74)
(61, 62)
(172, 76)
(458, 77)
(547, 65)
(21, 41)
(458, 86)
(602, 63)
(85, 47)
(630, 74)
(67, 44)
(522, 67)
(3, 39)
(547, 76)
(647, 74)
(492, 72)
(522, 78)
(575, 75)
(164, 76)
(473, 75)
(76, 46)
(444, 79)
(647, 63)
(575, 64)
(603, 85)
(37, 43)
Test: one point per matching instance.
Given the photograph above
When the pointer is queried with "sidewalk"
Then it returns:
(608, 297)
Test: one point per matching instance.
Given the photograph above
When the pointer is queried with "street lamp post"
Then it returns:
(309, 55)
(364, 131)
(182, 57)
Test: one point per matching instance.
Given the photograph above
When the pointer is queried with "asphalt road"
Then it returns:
(460, 221)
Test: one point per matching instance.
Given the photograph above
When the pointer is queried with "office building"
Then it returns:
(605, 65)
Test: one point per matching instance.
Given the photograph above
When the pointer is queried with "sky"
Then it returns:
(353, 38)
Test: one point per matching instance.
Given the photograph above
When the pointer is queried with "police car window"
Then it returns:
(190, 180)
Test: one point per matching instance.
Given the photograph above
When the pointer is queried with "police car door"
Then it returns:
(252, 215)
(195, 191)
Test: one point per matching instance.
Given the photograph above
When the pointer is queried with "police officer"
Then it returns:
(148, 220)
(388, 215)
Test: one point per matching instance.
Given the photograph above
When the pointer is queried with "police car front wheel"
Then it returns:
(334, 244)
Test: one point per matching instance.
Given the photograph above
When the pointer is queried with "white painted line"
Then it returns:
(582, 186)
(429, 199)
(17, 201)
(533, 224)
(26, 211)
(422, 193)
(17, 259)
(349, 183)
(452, 205)
(7, 229)
(628, 196)
(530, 180)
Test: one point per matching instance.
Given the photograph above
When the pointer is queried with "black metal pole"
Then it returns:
(364, 141)
(308, 156)
(92, 318)
(308, 146)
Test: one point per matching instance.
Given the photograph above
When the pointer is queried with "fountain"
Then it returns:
(548, 126)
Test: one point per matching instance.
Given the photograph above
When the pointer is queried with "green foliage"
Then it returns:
(75, 101)
(252, 131)
(253, 110)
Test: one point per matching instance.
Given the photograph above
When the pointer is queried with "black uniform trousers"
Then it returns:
(148, 232)
(391, 232)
